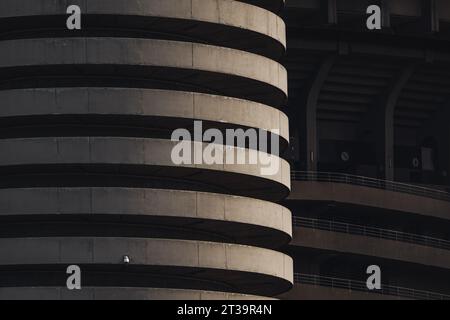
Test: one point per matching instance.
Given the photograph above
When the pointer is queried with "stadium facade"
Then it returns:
(87, 176)
(369, 114)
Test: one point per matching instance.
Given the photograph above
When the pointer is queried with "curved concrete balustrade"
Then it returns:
(225, 217)
(118, 293)
(369, 246)
(269, 29)
(231, 264)
(165, 104)
(140, 153)
(370, 197)
(264, 79)
(85, 164)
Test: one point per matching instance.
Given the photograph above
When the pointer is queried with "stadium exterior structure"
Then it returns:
(369, 113)
(87, 178)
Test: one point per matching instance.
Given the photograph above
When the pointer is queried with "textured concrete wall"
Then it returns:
(123, 293)
(312, 292)
(85, 163)
(370, 197)
(370, 246)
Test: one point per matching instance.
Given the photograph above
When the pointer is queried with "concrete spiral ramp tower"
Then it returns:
(86, 174)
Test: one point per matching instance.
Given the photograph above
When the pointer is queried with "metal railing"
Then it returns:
(334, 226)
(348, 284)
(371, 183)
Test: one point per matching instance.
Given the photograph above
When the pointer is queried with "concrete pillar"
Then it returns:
(386, 13)
(329, 11)
(430, 16)
(310, 113)
(385, 122)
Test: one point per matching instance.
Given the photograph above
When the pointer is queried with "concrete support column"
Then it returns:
(386, 13)
(329, 11)
(448, 152)
(310, 113)
(385, 122)
(430, 16)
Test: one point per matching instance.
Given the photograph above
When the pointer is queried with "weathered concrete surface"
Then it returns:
(118, 293)
(311, 292)
(138, 152)
(142, 102)
(370, 246)
(173, 55)
(144, 73)
(167, 252)
(225, 12)
(237, 262)
(370, 197)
